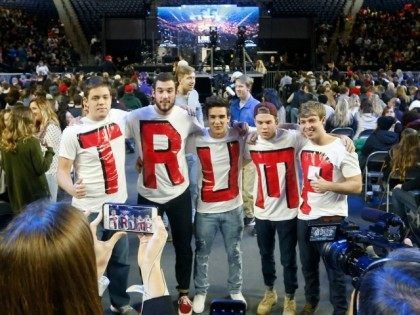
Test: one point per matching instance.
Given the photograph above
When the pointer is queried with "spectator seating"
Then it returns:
(346, 131)
(373, 169)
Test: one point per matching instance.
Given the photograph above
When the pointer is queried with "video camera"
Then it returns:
(346, 245)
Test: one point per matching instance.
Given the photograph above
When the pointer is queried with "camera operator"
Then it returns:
(390, 287)
(329, 174)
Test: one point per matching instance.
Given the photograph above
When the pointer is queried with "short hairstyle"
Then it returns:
(183, 70)
(312, 108)
(394, 287)
(244, 79)
(93, 83)
(47, 262)
(163, 77)
(216, 101)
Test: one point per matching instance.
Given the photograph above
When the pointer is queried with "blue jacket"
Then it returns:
(244, 114)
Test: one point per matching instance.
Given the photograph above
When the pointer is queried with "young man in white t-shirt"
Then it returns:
(96, 150)
(219, 150)
(329, 173)
(276, 200)
(160, 132)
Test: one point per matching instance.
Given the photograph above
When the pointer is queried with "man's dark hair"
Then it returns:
(164, 77)
(93, 83)
(216, 101)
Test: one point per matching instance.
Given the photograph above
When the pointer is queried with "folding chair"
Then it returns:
(373, 168)
(346, 131)
(365, 133)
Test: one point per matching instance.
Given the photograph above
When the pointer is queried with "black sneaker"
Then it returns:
(249, 221)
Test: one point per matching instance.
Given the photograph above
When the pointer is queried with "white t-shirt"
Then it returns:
(276, 189)
(219, 170)
(160, 143)
(98, 151)
(333, 163)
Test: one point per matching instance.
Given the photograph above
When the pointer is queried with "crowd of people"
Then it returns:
(275, 162)
(381, 39)
(213, 172)
(25, 41)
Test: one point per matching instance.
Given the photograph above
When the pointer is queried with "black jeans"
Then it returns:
(179, 213)
(309, 256)
(266, 238)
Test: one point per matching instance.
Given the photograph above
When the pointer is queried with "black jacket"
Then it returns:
(380, 140)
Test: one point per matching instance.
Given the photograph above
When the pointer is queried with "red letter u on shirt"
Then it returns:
(229, 193)
(101, 139)
(269, 160)
(153, 156)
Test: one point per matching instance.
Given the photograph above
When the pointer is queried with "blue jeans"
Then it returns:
(310, 253)
(192, 161)
(266, 238)
(231, 225)
(118, 267)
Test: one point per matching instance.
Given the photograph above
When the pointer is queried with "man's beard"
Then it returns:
(167, 106)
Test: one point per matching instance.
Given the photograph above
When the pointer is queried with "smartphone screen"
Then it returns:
(123, 217)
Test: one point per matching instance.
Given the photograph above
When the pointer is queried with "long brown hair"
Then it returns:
(405, 155)
(47, 263)
(21, 127)
(48, 116)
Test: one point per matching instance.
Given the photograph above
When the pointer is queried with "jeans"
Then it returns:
(179, 214)
(53, 186)
(248, 178)
(402, 203)
(266, 238)
(118, 266)
(192, 161)
(231, 224)
(309, 257)
(292, 114)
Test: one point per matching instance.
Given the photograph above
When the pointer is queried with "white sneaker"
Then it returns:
(198, 303)
(239, 297)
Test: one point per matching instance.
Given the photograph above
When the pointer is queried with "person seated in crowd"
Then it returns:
(391, 287)
(58, 239)
(389, 112)
(382, 139)
(341, 117)
(406, 204)
(366, 117)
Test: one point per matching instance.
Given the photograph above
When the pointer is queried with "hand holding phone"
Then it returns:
(103, 250)
(129, 218)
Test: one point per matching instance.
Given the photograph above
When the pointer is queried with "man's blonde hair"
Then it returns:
(312, 108)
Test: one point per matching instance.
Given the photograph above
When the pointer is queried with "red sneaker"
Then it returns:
(184, 305)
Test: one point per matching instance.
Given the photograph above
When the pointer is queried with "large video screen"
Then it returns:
(189, 25)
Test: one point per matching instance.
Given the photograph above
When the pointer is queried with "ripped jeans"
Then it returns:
(231, 224)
